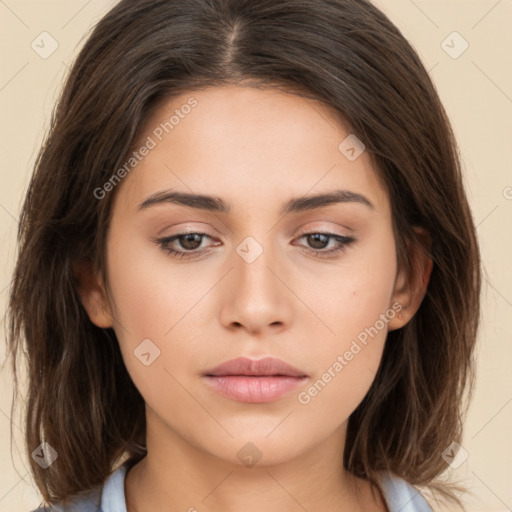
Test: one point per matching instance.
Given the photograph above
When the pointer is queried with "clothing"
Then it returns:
(399, 495)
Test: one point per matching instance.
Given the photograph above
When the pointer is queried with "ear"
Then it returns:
(92, 294)
(410, 289)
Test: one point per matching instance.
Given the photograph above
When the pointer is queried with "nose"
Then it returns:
(257, 296)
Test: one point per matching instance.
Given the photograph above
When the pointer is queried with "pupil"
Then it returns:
(189, 238)
(315, 239)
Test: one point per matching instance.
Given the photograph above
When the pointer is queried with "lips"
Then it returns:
(254, 381)
(268, 366)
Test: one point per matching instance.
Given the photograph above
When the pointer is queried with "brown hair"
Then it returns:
(347, 54)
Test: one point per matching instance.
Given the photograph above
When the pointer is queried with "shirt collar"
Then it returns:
(112, 496)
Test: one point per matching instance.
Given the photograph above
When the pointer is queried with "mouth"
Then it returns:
(255, 381)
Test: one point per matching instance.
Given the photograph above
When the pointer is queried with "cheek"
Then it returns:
(158, 307)
(354, 306)
(151, 292)
(352, 294)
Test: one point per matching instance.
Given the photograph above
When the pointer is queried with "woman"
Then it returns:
(248, 274)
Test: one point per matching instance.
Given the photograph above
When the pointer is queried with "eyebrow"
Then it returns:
(218, 205)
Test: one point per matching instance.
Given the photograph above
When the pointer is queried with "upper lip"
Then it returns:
(266, 366)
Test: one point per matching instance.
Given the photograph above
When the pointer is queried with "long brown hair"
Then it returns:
(347, 54)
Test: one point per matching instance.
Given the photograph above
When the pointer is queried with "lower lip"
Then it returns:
(253, 389)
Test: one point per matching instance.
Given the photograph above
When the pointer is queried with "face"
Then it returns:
(271, 273)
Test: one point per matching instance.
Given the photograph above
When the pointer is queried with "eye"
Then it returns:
(190, 242)
(318, 241)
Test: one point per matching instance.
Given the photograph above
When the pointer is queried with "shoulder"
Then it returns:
(89, 502)
(402, 496)
(106, 498)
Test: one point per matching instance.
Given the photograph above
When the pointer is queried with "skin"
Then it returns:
(255, 149)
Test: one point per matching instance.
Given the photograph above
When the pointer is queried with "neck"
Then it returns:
(177, 476)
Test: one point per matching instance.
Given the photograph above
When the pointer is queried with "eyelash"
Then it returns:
(345, 242)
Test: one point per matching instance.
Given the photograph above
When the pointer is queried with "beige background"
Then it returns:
(476, 89)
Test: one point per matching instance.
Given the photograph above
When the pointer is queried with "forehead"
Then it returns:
(247, 145)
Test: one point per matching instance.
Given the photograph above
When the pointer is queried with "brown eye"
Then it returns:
(190, 241)
(186, 245)
(317, 242)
